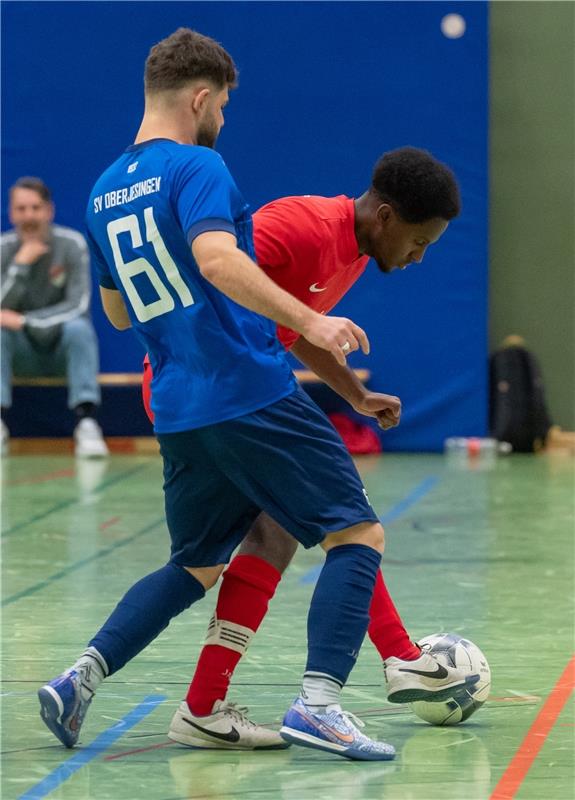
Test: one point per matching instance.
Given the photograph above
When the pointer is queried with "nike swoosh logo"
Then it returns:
(347, 738)
(315, 288)
(440, 672)
(231, 736)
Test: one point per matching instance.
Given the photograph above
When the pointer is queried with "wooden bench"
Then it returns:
(39, 421)
(135, 378)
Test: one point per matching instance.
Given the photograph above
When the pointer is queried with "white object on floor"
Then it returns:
(89, 439)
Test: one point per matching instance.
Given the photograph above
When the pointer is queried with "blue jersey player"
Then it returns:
(171, 239)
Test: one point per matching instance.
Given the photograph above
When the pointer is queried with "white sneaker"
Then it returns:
(226, 728)
(424, 679)
(89, 439)
(4, 438)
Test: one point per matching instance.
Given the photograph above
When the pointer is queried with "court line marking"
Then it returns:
(410, 499)
(511, 780)
(72, 501)
(108, 523)
(43, 477)
(101, 743)
(115, 756)
(36, 587)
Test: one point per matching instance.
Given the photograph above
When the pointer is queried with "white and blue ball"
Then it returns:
(452, 650)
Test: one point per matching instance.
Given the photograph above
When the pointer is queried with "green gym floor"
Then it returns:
(487, 553)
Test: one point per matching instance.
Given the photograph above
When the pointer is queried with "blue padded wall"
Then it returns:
(325, 88)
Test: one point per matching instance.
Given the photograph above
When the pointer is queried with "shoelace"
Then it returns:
(238, 713)
(352, 719)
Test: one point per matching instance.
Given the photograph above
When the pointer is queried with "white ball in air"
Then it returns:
(453, 26)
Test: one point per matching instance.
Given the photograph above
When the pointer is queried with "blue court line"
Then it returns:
(72, 501)
(36, 587)
(98, 746)
(394, 512)
(410, 499)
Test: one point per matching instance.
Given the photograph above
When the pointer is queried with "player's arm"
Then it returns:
(231, 271)
(112, 301)
(343, 380)
(115, 308)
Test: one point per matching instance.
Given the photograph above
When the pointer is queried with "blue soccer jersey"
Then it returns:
(212, 359)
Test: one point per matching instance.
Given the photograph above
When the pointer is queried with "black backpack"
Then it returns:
(517, 410)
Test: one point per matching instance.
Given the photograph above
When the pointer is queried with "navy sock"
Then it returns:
(339, 611)
(143, 613)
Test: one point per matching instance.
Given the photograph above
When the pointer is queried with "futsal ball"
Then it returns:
(452, 650)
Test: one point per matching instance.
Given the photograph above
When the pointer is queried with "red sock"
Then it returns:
(248, 585)
(386, 629)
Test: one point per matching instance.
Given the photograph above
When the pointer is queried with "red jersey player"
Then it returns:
(316, 248)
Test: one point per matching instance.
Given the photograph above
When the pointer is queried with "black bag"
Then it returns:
(517, 410)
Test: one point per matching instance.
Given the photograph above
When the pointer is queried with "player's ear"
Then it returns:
(384, 213)
(200, 98)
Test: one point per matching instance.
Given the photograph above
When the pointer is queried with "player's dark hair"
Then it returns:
(417, 185)
(37, 185)
(187, 56)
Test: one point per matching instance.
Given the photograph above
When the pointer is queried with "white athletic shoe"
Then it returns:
(4, 438)
(424, 679)
(226, 728)
(89, 440)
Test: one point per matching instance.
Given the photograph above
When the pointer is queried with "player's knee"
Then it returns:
(269, 541)
(370, 534)
(207, 576)
(375, 537)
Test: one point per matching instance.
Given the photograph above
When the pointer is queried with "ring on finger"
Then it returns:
(346, 346)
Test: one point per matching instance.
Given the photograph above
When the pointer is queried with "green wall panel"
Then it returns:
(533, 188)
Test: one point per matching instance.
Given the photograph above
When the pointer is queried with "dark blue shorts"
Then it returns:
(286, 459)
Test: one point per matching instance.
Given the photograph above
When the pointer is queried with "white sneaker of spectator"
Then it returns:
(89, 439)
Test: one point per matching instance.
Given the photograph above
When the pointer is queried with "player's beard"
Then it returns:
(207, 133)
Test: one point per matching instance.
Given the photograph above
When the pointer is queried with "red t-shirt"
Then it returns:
(307, 246)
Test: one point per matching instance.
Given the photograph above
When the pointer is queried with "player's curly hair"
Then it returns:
(417, 185)
(186, 56)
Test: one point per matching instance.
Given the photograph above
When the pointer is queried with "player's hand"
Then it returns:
(386, 408)
(337, 335)
(30, 251)
(11, 320)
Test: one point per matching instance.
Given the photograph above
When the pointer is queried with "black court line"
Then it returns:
(66, 503)
(37, 587)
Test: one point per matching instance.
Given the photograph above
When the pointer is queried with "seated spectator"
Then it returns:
(44, 307)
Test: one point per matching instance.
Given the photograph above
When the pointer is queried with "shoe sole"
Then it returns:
(51, 710)
(294, 736)
(431, 695)
(205, 744)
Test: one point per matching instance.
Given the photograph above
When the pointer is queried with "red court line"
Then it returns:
(520, 764)
(139, 750)
(109, 522)
(47, 476)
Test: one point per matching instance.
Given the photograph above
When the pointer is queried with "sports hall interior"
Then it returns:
(477, 544)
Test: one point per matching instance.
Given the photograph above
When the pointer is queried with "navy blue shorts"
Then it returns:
(286, 459)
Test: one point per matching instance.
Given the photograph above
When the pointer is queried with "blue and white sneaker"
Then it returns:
(63, 706)
(333, 731)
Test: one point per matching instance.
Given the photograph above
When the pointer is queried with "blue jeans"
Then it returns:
(74, 356)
